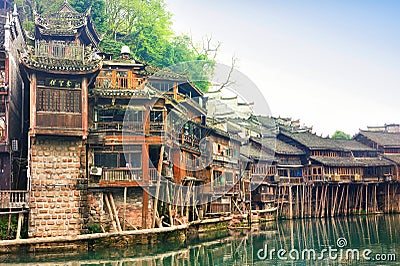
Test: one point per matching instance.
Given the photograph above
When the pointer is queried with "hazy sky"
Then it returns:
(333, 64)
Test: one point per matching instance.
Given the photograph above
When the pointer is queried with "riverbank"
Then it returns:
(379, 233)
(203, 229)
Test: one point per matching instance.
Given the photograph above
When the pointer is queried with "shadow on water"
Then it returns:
(380, 234)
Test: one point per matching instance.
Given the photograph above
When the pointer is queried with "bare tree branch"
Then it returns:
(228, 80)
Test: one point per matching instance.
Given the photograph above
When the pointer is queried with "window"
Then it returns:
(110, 115)
(134, 116)
(156, 117)
(58, 100)
(122, 79)
(109, 160)
(131, 158)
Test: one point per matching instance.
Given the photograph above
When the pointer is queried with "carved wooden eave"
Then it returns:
(59, 66)
(67, 22)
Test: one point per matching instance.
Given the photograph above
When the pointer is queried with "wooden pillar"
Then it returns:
(145, 209)
(290, 203)
(366, 198)
(33, 104)
(125, 194)
(146, 178)
(85, 108)
(20, 223)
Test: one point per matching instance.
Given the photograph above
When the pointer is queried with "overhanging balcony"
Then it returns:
(14, 199)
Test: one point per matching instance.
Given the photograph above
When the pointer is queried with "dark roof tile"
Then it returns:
(383, 138)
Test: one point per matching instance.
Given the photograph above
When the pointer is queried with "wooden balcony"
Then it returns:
(118, 83)
(157, 128)
(264, 197)
(123, 177)
(16, 199)
(60, 51)
(315, 178)
(122, 174)
(190, 140)
(118, 126)
(290, 180)
(153, 174)
(220, 206)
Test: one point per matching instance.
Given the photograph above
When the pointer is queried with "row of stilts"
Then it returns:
(336, 199)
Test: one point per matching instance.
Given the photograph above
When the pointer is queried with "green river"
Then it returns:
(357, 240)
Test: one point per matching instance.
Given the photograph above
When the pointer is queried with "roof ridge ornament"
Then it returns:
(15, 11)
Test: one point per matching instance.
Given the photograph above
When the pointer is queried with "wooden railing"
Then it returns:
(190, 140)
(290, 180)
(156, 128)
(127, 174)
(119, 126)
(122, 174)
(315, 178)
(153, 174)
(60, 51)
(267, 197)
(14, 199)
(117, 83)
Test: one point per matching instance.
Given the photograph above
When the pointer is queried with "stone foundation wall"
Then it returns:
(58, 199)
(134, 204)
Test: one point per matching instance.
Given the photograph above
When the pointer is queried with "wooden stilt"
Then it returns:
(19, 226)
(110, 212)
(316, 202)
(125, 195)
(115, 212)
(290, 202)
(366, 198)
(340, 212)
(155, 204)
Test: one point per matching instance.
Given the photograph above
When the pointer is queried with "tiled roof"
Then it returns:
(279, 146)
(60, 23)
(351, 162)
(313, 141)
(393, 157)
(67, 22)
(383, 138)
(253, 152)
(121, 93)
(353, 145)
(59, 65)
(266, 121)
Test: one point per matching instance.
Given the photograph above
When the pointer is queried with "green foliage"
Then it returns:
(340, 135)
(6, 234)
(98, 11)
(94, 228)
(145, 26)
(28, 7)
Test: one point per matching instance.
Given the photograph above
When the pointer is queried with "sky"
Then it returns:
(335, 65)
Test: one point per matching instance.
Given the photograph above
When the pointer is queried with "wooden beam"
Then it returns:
(113, 223)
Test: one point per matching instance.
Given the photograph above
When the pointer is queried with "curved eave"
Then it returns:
(61, 72)
(96, 35)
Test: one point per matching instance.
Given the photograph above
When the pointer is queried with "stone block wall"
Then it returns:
(58, 198)
(134, 204)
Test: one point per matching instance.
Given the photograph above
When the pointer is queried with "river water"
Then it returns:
(358, 240)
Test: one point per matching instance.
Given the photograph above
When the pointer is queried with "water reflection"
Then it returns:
(381, 234)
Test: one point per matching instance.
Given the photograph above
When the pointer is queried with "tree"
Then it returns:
(340, 135)
(98, 11)
(145, 26)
